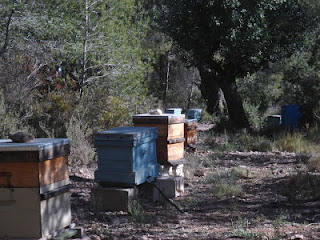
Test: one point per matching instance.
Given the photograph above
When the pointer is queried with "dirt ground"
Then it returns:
(262, 212)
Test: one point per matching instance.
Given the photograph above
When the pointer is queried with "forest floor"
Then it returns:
(263, 211)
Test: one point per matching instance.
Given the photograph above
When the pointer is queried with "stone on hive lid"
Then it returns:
(21, 137)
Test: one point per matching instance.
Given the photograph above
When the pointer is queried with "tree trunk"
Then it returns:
(209, 88)
(6, 40)
(236, 112)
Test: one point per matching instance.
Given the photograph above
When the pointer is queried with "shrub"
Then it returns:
(10, 121)
(314, 163)
(254, 115)
(80, 136)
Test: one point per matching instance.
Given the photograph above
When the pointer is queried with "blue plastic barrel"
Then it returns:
(290, 116)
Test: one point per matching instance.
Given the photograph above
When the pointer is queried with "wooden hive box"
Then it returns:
(190, 131)
(28, 214)
(126, 156)
(173, 110)
(34, 188)
(170, 142)
(42, 163)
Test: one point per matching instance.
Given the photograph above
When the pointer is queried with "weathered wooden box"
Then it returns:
(126, 156)
(40, 163)
(34, 185)
(173, 110)
(25, 213)
(190, 131)
(170, 142)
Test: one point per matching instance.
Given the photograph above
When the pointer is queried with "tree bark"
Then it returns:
(233, 99)
(209, 88)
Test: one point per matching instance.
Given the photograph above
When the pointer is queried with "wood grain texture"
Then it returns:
(21, 175)
(33, 174)
(171, 131)
(54, 170)
(169, 152)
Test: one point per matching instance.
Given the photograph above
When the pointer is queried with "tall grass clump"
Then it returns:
(224, 183)
(293, 142)
(239, 141)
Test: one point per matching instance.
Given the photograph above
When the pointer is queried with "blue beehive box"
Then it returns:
(194, 114)
(173, 110)
(126, 156)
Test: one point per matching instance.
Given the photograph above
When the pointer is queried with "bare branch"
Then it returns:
(6, 41)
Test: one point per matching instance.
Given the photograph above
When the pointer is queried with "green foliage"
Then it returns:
(256, 119)
(10, 121)
(261, 91)
(137, 212)
(302, 85)
(229, 39)
(72, 58)
(114, 115)
(293, 142)
(240, 229)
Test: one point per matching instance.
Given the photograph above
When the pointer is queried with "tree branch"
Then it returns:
(6, 41)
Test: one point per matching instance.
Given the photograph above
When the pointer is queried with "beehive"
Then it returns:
(194, 113)
(190, 131)
(36, 164)
(126, 156)
(173, 110)
(34, 188)
(170, 142)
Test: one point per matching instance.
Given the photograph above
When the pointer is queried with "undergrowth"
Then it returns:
(301, 187)
(224, 183)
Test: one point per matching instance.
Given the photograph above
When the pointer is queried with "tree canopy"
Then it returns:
(229, 38)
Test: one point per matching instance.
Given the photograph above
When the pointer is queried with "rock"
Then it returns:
(21, 137)
(297, 237)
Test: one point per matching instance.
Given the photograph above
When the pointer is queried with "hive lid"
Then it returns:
(39, 144)
(158, 119)
(173, 110)
(125, 134)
